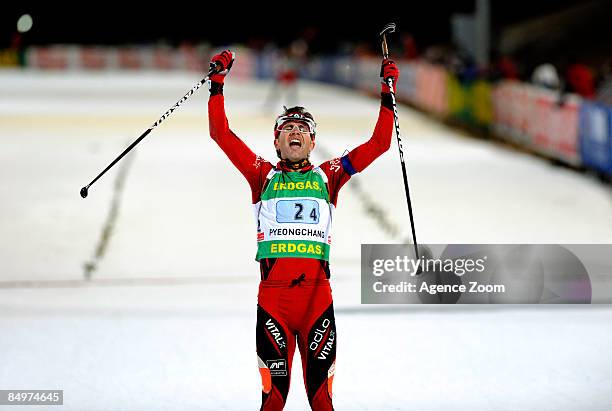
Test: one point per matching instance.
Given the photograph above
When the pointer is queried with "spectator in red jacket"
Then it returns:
(580, 79)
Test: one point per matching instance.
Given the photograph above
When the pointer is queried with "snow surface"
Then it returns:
(167, 321)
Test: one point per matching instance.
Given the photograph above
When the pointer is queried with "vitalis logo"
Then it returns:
(334, 165)
(277, 367)
(278, 337)
(319, 334)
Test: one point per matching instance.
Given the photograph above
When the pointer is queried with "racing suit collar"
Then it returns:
(302, 165)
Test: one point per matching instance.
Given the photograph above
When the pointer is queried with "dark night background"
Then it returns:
(326, 28)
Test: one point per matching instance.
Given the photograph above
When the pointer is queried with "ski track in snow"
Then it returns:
(168, 321)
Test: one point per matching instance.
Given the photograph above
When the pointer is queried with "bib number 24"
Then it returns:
(297, 211)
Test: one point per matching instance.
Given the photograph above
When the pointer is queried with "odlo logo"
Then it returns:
(278, 337)
(277, 367)
(319, 333)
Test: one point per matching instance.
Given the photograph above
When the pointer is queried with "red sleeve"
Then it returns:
(340, 170)
(362, 156)
(253, 167)
(336, 177)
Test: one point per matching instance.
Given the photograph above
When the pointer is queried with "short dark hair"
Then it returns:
(297, 109)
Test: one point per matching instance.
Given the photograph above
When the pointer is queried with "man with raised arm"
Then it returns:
(293, 203)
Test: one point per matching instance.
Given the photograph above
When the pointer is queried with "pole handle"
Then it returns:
(385, 49)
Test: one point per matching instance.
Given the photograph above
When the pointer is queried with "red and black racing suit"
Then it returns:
(295, 300)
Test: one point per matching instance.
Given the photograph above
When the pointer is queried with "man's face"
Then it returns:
(294, 142)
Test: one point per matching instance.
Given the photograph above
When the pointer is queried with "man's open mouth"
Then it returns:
(295, 143)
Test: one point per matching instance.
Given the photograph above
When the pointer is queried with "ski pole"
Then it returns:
(390, 28)
(213, 70)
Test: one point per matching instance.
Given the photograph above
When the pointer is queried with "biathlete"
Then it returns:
(293, 203)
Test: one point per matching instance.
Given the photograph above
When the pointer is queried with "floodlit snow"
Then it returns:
(167, 321)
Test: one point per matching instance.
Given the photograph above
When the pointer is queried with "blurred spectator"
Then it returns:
(546, 75)
(287, 73)
(410, 48)
(16, 41)
(437, 54)
(463, 66)
(580, 79)
(363, 49)
(604, 88)
(503, 68)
